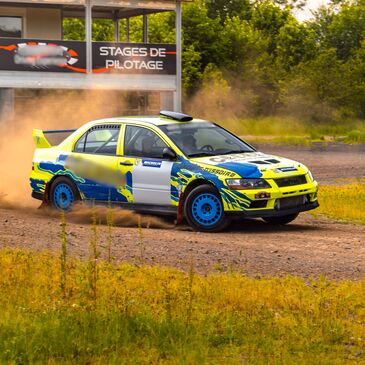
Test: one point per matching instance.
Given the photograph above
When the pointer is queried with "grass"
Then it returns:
(344, 202)
(61, 310)
(287, 130)
(150, 315)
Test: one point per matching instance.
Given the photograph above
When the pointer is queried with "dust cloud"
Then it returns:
(84, 214)
(49, 110)
(225, 98)
(53, 110)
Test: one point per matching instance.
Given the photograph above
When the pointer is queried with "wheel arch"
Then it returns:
(190, 187)
(194, 184)
(218, 221)
(54, 178)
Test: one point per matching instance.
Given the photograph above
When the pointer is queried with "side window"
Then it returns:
(141, 142)
(80, 145)
(102, 140)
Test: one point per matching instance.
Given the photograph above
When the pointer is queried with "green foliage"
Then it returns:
(151, 315)
(192, 75)
(352, 198)
(356, 136)
(224, 9)
(295, 44)
(161, 28)
(289, 130)
(347, 29)
(73, 29)
(274, 65)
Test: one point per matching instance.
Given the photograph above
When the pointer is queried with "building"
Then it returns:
(34, 55)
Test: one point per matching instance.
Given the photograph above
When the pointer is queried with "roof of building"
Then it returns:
(142, 4)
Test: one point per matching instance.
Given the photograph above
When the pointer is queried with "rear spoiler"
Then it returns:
(54, 137)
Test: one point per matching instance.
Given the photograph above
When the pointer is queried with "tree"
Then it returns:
(224, 9)
(269, 18)
(343, 29)
(201, 32)
(295, 44)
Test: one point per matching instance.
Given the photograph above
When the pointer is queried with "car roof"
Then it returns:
(153, 120)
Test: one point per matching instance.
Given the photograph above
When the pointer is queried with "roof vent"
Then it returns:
(176, 116)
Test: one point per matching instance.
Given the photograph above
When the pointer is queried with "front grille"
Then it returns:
(292, 202)
(291, 181)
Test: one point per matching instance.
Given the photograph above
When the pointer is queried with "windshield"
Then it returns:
(204, 139)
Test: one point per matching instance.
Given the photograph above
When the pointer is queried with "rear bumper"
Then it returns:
(273, 212)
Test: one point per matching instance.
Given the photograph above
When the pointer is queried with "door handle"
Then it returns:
(126, 163)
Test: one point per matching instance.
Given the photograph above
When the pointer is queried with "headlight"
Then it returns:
(310, 175)
(243, 184)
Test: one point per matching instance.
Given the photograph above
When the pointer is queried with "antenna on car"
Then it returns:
(176, 116)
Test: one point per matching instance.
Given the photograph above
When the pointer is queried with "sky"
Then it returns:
(305, 14)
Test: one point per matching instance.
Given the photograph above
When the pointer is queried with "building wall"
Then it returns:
(44, 23)
(38, 22)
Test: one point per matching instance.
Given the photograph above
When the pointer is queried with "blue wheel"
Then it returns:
(204, 209)
(207, 209)
(63, 194)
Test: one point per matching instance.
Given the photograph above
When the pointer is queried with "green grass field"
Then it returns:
(343, 202)
(292, 131)
(55, 309)
(147, 315)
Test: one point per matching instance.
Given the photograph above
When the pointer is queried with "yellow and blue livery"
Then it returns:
(169, 164)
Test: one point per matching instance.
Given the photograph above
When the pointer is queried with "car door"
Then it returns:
(149, 173)
(94, 160)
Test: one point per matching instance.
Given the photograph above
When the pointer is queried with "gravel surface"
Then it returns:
(309, 247)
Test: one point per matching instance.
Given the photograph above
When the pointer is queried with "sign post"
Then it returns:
(178, 92)
(88, 31)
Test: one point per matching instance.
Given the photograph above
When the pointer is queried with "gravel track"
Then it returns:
(309, 247)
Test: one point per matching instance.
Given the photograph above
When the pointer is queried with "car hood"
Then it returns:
(254, 165)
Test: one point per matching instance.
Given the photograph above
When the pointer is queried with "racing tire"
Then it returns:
(285, 219)
(204, 211)
(63, 194)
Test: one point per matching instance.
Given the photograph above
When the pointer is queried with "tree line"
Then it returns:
(254, 58)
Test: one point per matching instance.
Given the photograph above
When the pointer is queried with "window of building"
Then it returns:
(142, 142)
(11, 27)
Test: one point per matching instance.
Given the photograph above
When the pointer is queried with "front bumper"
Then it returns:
(260, 213)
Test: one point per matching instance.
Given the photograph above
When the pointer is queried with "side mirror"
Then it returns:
(168, 153)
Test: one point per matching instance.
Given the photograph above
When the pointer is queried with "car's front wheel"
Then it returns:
(204, 210)
(63, 194)
(285, 219)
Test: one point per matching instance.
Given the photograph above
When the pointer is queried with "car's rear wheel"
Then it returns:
(285, 219)
(63, 194)
(204, 210)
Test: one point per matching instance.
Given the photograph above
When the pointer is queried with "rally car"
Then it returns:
(169, 164)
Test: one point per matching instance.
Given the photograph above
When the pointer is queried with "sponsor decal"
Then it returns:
(151, 163)
(286, 169)
(216, 171)
(242, 157)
